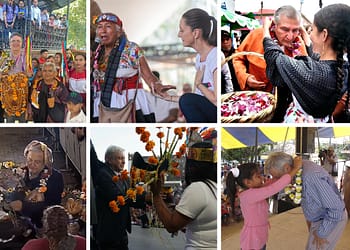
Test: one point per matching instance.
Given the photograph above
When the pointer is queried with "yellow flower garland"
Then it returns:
(294, 190)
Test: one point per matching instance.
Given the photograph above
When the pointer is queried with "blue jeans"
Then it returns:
(197, 108)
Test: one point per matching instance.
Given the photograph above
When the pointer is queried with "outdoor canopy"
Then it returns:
(238, 21)
(239, 137)
(333, 132)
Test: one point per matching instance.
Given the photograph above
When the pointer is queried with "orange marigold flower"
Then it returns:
(115, 209)
(150, 145)
(183, 148)
(176, 172)
(140, 130)
(178, 155)
(124, 175)
(160, 134)
(42, 189)
(153, 160)
(121, 200)
(115, 178)
(174, 164)
(145, 136)
(131, 194)
(178, 131)
(139, 190)
(142, 174)
(112, 204)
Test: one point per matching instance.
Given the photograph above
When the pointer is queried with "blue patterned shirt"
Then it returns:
(321, 199)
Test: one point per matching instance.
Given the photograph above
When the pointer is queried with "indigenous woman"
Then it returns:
(44, 183)
(77, 76)
(315, 81)
(118, 66)
(49, 96)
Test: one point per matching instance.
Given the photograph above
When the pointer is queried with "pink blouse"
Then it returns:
(255, 211)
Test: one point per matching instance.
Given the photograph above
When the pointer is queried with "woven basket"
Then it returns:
(264, 115)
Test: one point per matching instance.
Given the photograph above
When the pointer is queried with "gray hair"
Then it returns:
(277, 160)
(111, 151)
(288, 11)
(49, 64)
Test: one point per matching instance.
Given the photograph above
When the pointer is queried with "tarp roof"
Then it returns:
(238, 21)
(238, 137)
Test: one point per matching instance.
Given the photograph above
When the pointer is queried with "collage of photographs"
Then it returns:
(113, 139)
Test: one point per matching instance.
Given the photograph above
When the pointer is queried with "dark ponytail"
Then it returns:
(335, 18)
(246, 171)
(199, 19)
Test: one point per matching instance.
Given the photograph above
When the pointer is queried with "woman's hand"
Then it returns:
(267, 25)
(156, 187)
(297, 162)
(199, 76)
(304, 35)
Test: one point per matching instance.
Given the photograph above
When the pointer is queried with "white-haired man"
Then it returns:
(322, 204)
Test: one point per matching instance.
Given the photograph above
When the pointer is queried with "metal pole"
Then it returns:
(66, 32)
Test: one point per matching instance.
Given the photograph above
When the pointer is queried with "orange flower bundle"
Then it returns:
(167, 147)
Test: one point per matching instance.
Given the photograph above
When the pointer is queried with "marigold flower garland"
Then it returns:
(166, 151)
(293, 191)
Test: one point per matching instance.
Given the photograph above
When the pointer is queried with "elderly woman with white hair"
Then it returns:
(44, 183)
(118, 66)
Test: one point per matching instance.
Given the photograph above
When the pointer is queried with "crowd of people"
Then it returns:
(14, 15)
(50, 93)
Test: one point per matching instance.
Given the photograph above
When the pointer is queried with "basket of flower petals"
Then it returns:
(247, 106)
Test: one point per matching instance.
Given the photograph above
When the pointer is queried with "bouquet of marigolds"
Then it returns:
(165, 162)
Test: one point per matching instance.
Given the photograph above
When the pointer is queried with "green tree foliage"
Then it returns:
(76, 23)
(248, 154)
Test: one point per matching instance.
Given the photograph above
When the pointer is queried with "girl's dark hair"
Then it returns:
(199, 19)
(201, 170)
(335, 18)
(246, 171)
(55, 221)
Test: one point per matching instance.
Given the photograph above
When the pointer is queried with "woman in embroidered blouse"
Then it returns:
(48, 97)
(77, 76)
(43, 181)
(198, 31)
(315, 81)
(113, 84)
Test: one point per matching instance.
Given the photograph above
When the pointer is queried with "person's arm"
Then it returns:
(210, 95)
(172, 220)
(245, 79)
(323, 195)
(151, 80)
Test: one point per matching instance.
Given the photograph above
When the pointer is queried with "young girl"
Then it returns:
(253, 201)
